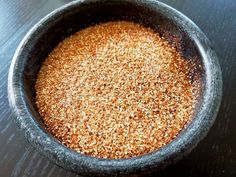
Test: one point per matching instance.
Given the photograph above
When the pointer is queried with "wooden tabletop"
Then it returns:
(215, 156)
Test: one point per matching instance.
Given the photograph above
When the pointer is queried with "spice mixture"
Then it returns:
(115, 90)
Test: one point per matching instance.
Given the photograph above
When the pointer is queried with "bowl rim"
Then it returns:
(78, 162)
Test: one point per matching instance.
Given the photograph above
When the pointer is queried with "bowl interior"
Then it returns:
(69, 21)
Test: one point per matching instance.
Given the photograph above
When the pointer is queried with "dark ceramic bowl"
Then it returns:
(45, 35)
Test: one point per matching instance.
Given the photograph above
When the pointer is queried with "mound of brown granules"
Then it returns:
(115, 90)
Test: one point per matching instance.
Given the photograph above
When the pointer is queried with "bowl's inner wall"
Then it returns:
(67, 22)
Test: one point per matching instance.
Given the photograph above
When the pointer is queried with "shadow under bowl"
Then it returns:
(52, 29)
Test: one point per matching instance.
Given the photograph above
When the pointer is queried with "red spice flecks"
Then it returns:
(115, 90)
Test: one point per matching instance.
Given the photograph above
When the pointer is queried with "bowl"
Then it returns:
(180, 31)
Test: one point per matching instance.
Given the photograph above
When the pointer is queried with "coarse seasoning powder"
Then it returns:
(115, 90)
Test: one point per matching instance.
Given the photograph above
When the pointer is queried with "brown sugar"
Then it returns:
(115, 90)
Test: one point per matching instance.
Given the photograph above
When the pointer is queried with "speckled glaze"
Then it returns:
(53, 28)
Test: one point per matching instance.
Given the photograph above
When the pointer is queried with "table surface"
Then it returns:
(215, 156)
